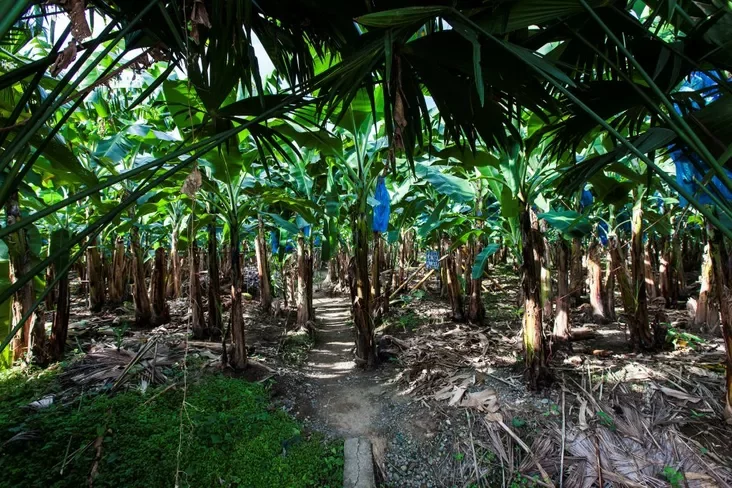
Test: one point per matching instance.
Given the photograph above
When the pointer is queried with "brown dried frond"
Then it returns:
(64, 59)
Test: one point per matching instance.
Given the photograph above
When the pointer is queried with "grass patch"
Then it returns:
(231, 438)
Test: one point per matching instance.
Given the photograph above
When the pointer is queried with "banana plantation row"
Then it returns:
(149, 151)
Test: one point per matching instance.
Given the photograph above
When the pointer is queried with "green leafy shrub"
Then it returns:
(230, 437)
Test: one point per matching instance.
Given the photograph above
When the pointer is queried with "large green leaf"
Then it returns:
(283, 224)
(568, 222)
(433, 221)
(444, 183)
(482, 258)
(400, 17)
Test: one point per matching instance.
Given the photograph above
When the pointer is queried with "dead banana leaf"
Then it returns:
(485, 401)
(679, 394)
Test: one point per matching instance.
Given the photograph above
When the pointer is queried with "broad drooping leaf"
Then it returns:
(446, 184)
(568, 222)
(482, 258)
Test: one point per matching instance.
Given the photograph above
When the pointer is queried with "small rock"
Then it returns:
(545, 400)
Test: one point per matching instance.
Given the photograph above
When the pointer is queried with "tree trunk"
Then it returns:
(576, 275)
(215, 323)
(649, 273)
(594, 271)
(704, 306)
(546, 277)
(304, 320)
(639, 281)
(309, 282)
(722, 280)
(265, 289)
(640, 338)
(451, 282)
(534, 352)
(62, 304)
(226, 262)
(51, 297)
(32, 335)
(95, 277)
(333, 270)
(143, 312)
(198, 322)
(160, 309)
(238, 359)
(561, 332)
(364, 327)
(476, 310)
(678, 280)
(376, 279)
(118, 278)
(174, 284)
(665, 271)
(609, 289)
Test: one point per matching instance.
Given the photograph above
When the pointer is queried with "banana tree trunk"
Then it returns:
(215, 324)
(118, 278)
(639, 279)
(451, 282)
(704, 307)
(95, 278)
(364, 326)
(678, 278)
(198, 322)
(649, 272)
(32, 334)
(722, 280)
(576, 276)
(60, 326)
(375, 279)
(309, 283)
(265, 289)
(226, 262)
(143, 311)
(640, 337)
(561, 332)
(476, 310)
(174, 283)
(160, 309)
(304, 320)
(594, 271)
(609, 288)
(665, 272)
(238, 359)
(333, 270)
(533, 336)
(546, 277)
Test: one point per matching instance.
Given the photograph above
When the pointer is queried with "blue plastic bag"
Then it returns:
(383, 210)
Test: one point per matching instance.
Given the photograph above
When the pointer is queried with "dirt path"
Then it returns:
(346, 399)
(332, 396)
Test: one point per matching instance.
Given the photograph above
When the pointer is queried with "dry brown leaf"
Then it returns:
(493, 417)
(482, 400)
(192, 183)
(444, 393)
(64, 59)
(583, 415)
(459, 392)
(679, 394)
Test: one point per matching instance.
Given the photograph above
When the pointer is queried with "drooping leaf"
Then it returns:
(482, 258)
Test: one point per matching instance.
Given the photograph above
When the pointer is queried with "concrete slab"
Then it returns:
(358, 464)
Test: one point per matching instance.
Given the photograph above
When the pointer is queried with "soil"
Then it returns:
(331, 395)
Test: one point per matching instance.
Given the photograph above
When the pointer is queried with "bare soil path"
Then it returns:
(348, 400)
(335, 397)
